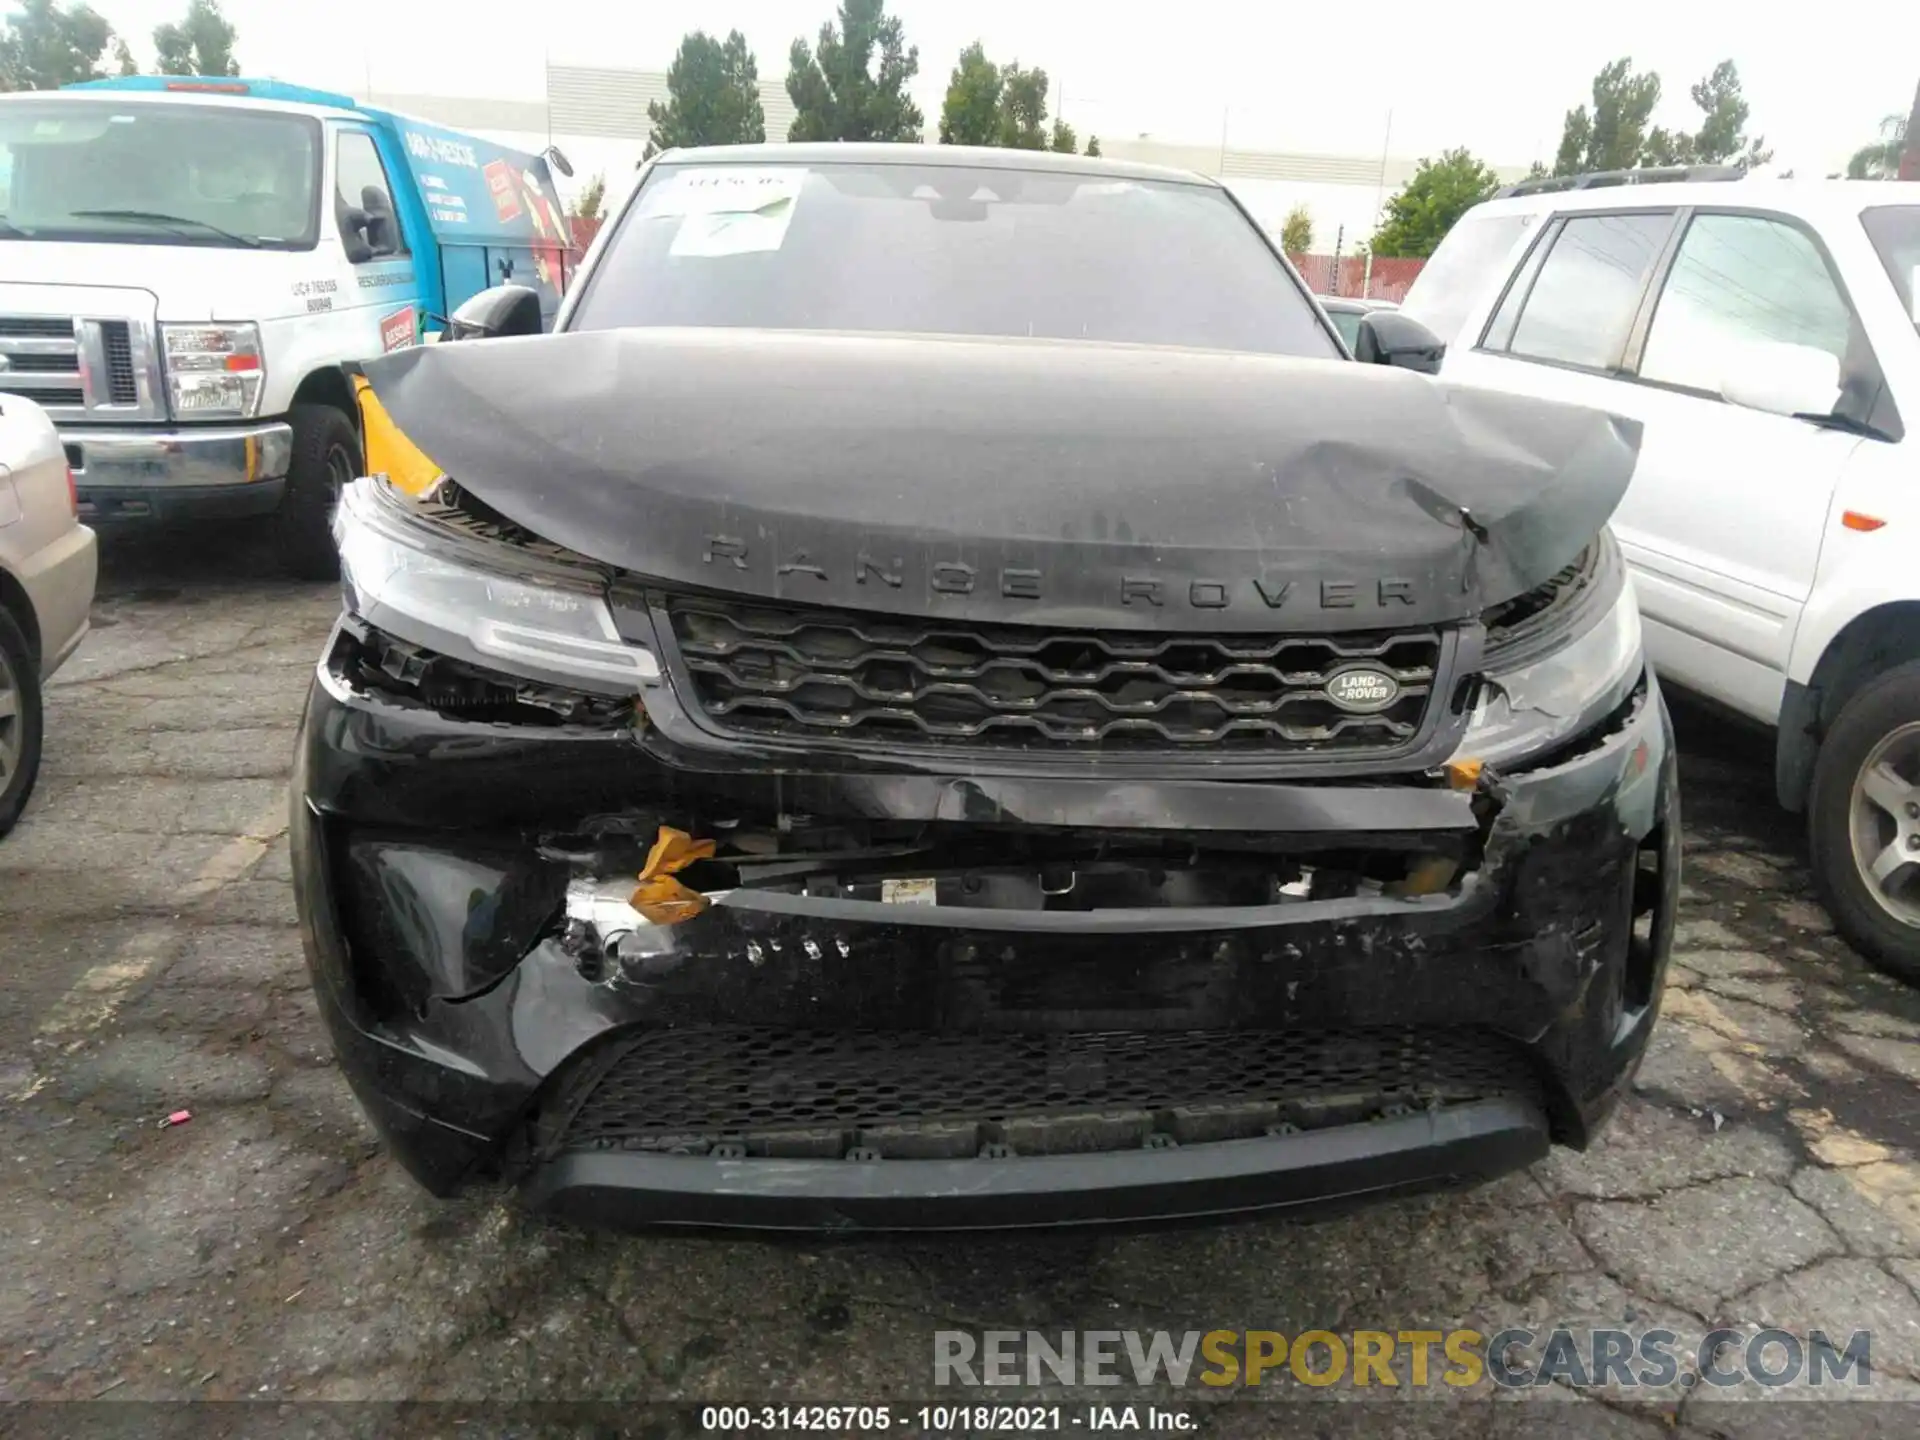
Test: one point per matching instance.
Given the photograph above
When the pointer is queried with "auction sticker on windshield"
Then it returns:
(728, 209)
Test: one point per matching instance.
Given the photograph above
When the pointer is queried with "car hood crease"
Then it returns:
(1029, 481)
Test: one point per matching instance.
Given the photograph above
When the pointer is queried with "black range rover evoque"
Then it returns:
(944, 695)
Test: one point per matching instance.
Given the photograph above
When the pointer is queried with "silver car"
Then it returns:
(47, 570)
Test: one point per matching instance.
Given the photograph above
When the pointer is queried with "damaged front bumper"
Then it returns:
(923, 1000)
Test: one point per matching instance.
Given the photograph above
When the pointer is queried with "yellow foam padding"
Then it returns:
(389, 451)
(660, 897)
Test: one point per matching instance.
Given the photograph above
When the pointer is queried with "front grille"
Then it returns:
(801, 673)
(42, 359)
(904, 1095)
(35, 327)
(117, 340)
(38, 365)
(44, 395)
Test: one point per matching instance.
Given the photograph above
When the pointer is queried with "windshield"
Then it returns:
(940, 249)
(170, 174)
(1895, 232)
(1347, 322)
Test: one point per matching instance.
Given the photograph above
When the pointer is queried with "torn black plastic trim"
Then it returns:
(373, 662)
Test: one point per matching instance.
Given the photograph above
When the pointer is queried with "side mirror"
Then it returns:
(1780, 378)
(382, 230)
(353, 235)
(504, 310)
(1389, 338)
(557, 160)
(380, 235)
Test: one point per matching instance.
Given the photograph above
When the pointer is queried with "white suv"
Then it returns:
(1767, 335)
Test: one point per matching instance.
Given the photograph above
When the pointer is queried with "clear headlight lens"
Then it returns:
(404, 576)
(214, 372)
(1528, 708)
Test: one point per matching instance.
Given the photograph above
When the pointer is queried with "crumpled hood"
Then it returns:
(1043, 482)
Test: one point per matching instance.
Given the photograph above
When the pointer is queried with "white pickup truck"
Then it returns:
(1767, 335)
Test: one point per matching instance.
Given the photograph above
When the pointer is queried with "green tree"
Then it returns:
(1023, 109)
(201, 44)
(971, 114)
(838, 90)
(1609, 134)
(47, 45)
(1881, 159)
(1064, 141)
(1722, 135)
(1296, 232)
(713, 96)
(1614, 133)
(1426, 207)
(123, 59)
(591, 203)
(1093, 146)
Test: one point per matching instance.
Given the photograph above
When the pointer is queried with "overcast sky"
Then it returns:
(1494, 75)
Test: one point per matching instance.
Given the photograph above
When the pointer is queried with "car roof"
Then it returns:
(1793, 197)
(976, 157)
(125, 94)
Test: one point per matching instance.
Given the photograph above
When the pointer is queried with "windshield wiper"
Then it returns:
(1846, 423)
(7, 227)
(157, 217)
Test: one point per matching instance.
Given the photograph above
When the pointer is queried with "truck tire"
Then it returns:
(1863, 821)
(20, 721)
(326, 457)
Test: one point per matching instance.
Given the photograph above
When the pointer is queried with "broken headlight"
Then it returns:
(489, 604)
(1568, 664)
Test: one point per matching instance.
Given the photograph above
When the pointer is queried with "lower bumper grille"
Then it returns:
(902, 1095)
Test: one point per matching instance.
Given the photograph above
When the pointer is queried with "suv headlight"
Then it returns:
(1568, 659)
(489, 605)
(214, 372)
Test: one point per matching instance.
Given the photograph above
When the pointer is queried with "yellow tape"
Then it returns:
(389, 451)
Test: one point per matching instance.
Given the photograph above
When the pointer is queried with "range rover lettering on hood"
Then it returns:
(956, 577)
(1076, 485)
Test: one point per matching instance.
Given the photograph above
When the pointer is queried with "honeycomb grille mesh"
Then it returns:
(921, 1095)
(799, 673)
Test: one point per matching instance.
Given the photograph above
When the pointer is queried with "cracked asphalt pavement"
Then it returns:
(1766, 1172)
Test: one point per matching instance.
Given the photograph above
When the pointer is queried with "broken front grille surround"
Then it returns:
(784, 672)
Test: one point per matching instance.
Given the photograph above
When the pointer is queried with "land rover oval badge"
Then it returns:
(1363, 689)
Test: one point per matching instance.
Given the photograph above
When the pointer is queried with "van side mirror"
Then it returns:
(353, 236)
(504, 310)
(380, 226)
(1389, 338)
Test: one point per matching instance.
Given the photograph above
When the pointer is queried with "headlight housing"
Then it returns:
(491, 606)
(1558, 661)
(214, 372)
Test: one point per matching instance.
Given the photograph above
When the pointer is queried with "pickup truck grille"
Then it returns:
(81, 366)
(40, 359)
(117, 341)
(798, 673)
(35, 327)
